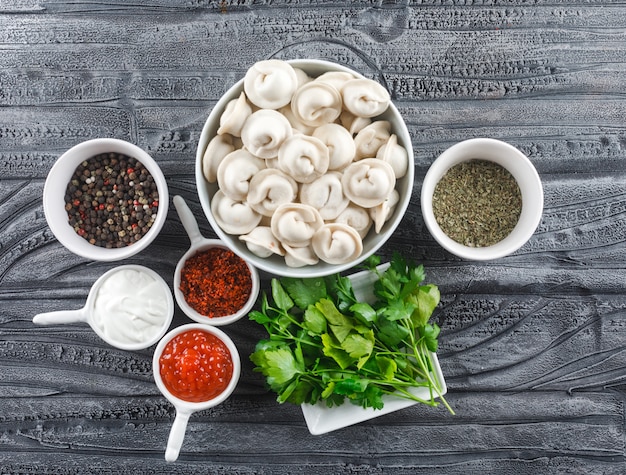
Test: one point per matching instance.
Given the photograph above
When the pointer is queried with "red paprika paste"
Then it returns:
(216, 282)
(196, 366)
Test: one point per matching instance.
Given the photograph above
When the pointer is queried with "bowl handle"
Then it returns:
(60, 317)
(187, 219)
(177, 434)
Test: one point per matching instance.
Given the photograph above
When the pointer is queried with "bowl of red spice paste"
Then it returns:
(196, 367)
(214, 285)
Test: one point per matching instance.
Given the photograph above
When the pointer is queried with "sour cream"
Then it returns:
(131, 306)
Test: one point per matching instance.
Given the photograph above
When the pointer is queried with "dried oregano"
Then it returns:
(477, 203)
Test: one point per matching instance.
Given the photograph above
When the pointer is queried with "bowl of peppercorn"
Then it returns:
(482, 199)
(105, 199)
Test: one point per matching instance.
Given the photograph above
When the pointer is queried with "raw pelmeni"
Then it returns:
(264, 132)
(235, 172)
(370, 138)
(326, 195)
(335, 78)
(306, 166)
(234, 116)
(294, 224)
(341, 146)
(365, 97)
(234, 217)
(216, 150)
(316, 103)
(337, 243)
(368, 182)
(382, 212)
(296, 123)
(270, 84)
(352, 123)
(300, 256)
(395, 155)
(304, 158)
(357, 218)
(262, 242)
(270, 188)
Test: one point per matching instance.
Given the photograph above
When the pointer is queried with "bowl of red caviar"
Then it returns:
(212, 284)
(196, 367)
(105, 199)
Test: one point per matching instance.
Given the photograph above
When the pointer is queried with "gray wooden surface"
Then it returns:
(533, 346)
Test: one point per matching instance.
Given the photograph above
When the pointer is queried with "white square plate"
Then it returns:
(321, 419)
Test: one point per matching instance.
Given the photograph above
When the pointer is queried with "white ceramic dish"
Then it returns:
(184, 409)
(321, 419)
(276, 264)
(86, 314)
(54, 198)
(522, 170)
(200, 244)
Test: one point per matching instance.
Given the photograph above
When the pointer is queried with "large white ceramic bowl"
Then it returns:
(522, 170)
(276, 264)
(54, 198)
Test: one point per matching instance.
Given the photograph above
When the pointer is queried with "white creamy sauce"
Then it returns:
(130, 306)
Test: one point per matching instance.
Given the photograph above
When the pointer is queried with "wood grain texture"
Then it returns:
(533, 346)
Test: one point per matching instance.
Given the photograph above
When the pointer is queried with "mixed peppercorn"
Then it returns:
(111, 200)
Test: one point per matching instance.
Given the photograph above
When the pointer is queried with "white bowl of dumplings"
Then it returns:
(304, 167)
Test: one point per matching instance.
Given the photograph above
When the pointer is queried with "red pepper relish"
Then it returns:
(196, 366)
(216, 282)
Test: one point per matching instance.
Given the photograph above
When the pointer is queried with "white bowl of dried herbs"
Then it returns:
(482, 199)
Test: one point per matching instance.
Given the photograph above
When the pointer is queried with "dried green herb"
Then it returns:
(477, 203)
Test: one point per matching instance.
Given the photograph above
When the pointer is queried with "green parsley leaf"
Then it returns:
(340, 325)
(305, 292)
(325, 346)
(280, 296)
(277, 364)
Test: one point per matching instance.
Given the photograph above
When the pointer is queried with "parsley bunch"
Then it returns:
(326, 345)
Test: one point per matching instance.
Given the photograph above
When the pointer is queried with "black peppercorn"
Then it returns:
(103, 197)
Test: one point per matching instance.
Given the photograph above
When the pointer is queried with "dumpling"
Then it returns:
(218, 147)
(337, 243)
(261, 242)
(353, 123)
(365, 97)
(234, 217)
(302, 76)
(235, 172)
(369, 140)
(368, 182)
(234, 116)
(304, 158)
(336, 78)
(380, 214)
(395, 155)
(296, 123)
(316, 103)
(270, 84)
(326, 195)
(264, 132)
(269, 189)
(300, 256)
(294, 224)
(341, 146)
(356, 217)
